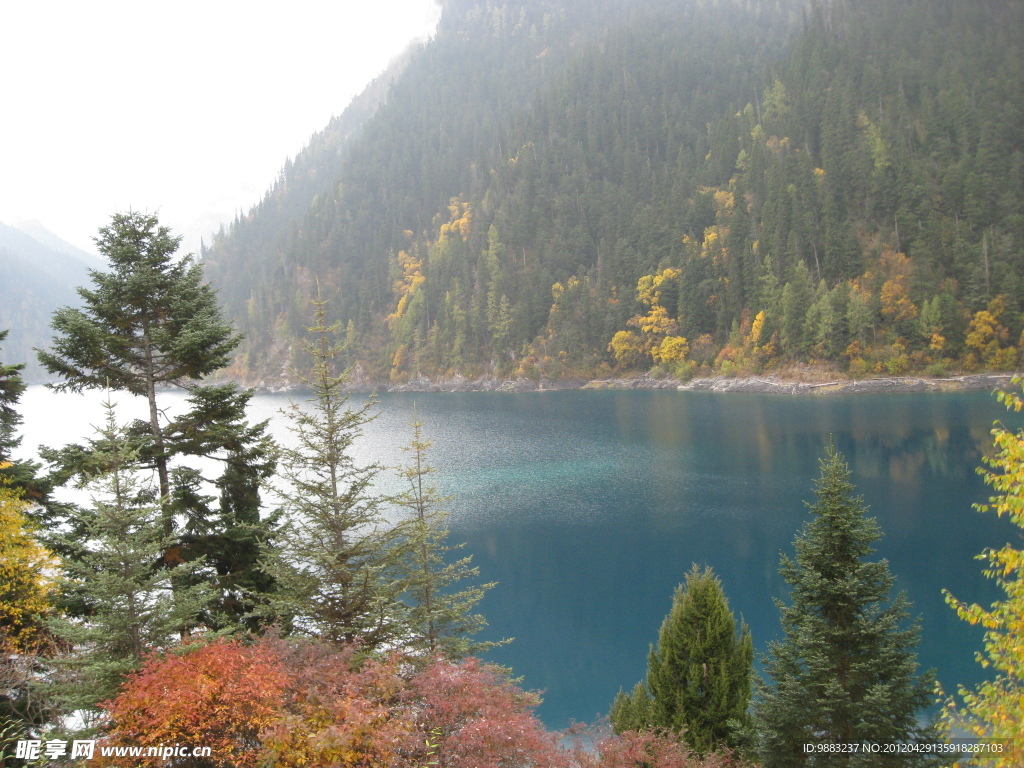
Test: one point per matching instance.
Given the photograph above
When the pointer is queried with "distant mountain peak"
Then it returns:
(38, 232)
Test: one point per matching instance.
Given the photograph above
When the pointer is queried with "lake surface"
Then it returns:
(588, 508)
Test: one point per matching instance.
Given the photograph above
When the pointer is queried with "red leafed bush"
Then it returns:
(393, 713)
(222, 695)
(644, 749)
(312, 705)
(306, 704)
(469, 715)
(337, 711)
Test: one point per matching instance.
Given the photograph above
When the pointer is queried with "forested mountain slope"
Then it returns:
(567, 188)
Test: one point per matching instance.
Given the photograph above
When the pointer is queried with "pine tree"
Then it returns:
(11, 389)
(632, 711)
(698, 677)
(439, 621)
(846, 671)
(149, 322)
(229, 531)
(128, 604)
(152, 322)
(335, 560)
(20, 473)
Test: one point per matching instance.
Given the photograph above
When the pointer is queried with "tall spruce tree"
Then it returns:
(698, 676)
(129, 605)
(336, 559)
(148, 323)
(846, 671)
(440, 620)
(11, 388)
(18, 472)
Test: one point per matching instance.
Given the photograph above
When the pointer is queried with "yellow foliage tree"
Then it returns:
(673, 349)
(756, 329)
(627, 348)
(405, 287)
(460, 217)
(896, 304)
(656, 325)
(658, 337)
(995, 709)
(27, 571)
(649, 287)
(986, 337)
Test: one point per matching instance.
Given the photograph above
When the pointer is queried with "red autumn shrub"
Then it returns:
(222, 695)
(291, 704)
(469, 715)
(308, 704)
(644, 749)
(337, 711)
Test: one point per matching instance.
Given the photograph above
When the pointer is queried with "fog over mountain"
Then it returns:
(39, 272)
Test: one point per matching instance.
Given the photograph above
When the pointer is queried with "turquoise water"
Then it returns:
(589, 507)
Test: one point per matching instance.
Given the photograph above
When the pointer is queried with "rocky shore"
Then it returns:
(756, 384)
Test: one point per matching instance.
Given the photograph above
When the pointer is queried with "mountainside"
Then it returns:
(38, 273)
(569, 188)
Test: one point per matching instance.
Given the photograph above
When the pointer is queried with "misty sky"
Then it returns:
(188, 109)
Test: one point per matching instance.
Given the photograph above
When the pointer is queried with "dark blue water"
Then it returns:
(589, 507)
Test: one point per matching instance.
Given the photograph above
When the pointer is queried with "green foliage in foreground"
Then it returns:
(698, 676)
(845, 671)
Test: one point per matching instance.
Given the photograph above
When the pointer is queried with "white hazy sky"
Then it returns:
(187, 109)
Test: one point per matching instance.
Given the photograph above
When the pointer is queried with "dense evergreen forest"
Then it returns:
(555, 188)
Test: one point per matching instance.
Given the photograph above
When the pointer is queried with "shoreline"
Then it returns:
(749, 384)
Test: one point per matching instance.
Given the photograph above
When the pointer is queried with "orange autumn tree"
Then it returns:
(986, 339)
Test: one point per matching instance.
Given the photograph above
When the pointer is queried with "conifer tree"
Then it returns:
(20, 473)
(439, 620)
(846, 671)
(698, 676)
(148, 322)
(152, 322)
(127, 604)
(632, 711)
(335, 560)
(11, 389)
